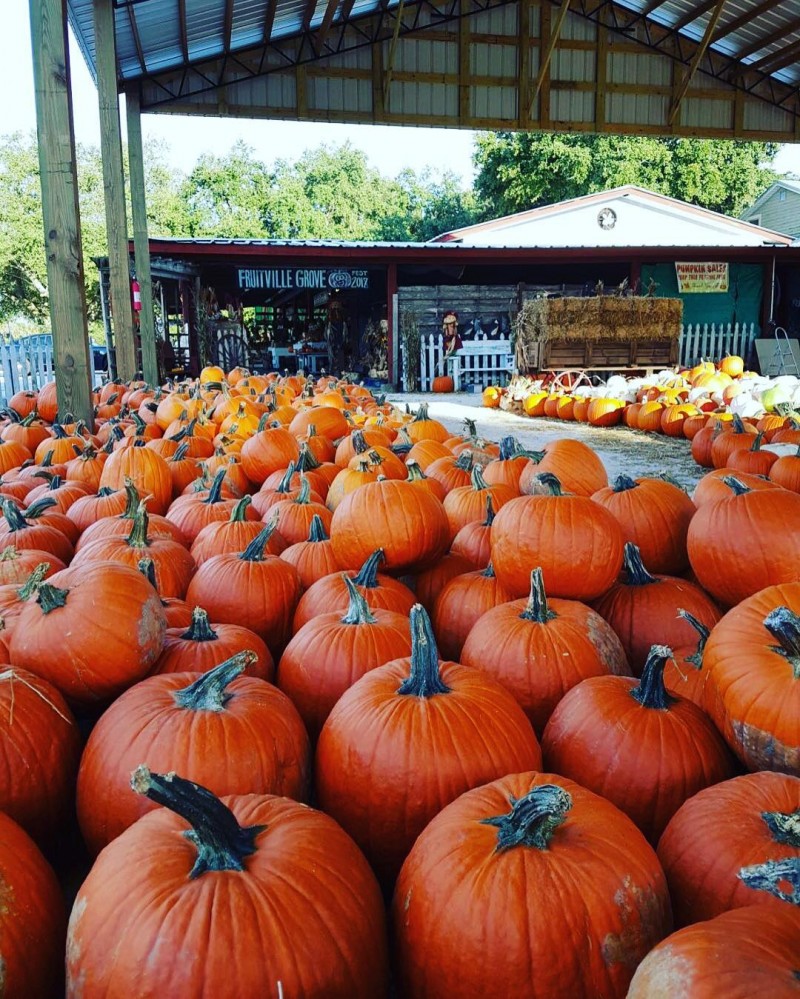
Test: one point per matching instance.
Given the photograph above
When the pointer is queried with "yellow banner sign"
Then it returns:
(695, 278)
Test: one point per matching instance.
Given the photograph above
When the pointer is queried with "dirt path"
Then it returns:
(621, 449)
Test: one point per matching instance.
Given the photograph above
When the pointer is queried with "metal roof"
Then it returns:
(722, 68)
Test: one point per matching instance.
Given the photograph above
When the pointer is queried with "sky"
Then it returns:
(389, 149)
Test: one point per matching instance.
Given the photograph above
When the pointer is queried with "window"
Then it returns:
(755, 220)
(782, 194)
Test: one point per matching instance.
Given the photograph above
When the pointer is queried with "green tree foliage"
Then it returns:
(521, 170)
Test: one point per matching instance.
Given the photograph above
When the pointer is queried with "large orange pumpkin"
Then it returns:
(482, 877)
(576, 466)
(148, 471)
(463, 602)
(424, 732)
(255, 874)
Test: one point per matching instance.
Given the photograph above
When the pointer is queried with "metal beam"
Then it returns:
(696, 59)
(739, 22)
(227, 25)
(141, 248)
(766, 40)
(60, 212)
(777, 60)
(137, 41)
(693, 15)
(182, 30)
(544, 65)
(308, 13)
(269, 19)
(327, 21)
(114, 190)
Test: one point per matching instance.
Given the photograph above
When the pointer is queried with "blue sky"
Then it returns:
(390, 149)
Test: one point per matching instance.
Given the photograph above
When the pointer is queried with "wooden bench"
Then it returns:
(480, 358)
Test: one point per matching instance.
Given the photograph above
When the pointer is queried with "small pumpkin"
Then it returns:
(462, 602)
(314, 557)
(202, 646)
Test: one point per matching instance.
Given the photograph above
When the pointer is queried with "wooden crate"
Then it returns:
(607, 354)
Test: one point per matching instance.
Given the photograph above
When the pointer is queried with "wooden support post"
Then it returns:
(463, 64)
(141, 246)
(547, 54)
(524, 64)
(114, 189)
(697, 58)
(62, 228)
(393, 340)
(601, 72)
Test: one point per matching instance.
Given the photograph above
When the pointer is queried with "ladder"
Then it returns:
(784, 355)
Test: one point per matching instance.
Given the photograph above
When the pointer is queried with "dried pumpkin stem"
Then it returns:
(784, 625)
(465, 461)
(368, 573)
(696, 658)
(634, 568)
(141, 522)
(624, 482)
(50, 597)
(316, 531)
(533, 818)
(774, 877)
(132, 500)
(537, 609)
(306, 462)
(736, 485)
(489, 511)
(222, 844)
(14, 518)
(255, 550)
(358, 611)
(477, 479)
(34, 581)
(509, 448)
(285, 485)
(551, 483)
(240, 509)
(200, 630)
(424, 680)
(784, 826)
(215, 492)
(303, 498)
(650, 691)
(209, 692)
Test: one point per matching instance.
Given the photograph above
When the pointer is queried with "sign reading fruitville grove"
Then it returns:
(702, 277)
(315, 278)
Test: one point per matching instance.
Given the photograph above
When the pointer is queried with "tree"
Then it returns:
(521, 170)
(429, 205)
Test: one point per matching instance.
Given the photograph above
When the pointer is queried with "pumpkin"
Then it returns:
(752, 459)
(183, 469)
(250, 874)
(16, 565)
(655, 516)
(113, 525)
(32, 917)
(267, 451)
(193, 511)
(491, 396)
(178, 613)
(331, 593)
(785, 471)
(642, 607)
(314, 557)
(649, 417)
(482, 879)
(359, 442)
(330, 653)
(635, 744)
(574, 464)
(732, 955)
(443, 383)
(59, 446)
(752, 693)
(19, 530)
(12, 455)
(462, 602)
(413, 735)
(193, 723)
(605, 412)
(423, 428)
(173, 565)
(735, 436)
(473, 540)
(45, 511)
(329, 421)
(91, 631)
(62, 491)
(148, 471)
(29, 432)
(712, 486)
(452, 471)
(719, 848)
(256, 590)
(40, 748)
(576, 541)
(233, 535)
(538, 649)
(508, 467)
(685, 674)
(467, 504)
(409, 524)
(292, 517)
(757, 551)
(202, 646)
(426, 452)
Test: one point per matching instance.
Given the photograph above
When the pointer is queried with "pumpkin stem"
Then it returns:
(471, 427)
(255, 550)
(421, 414)
(477, 479)
(696, 658)
(402, 444)
(738, 487)
(239, 509)
(34, 581)
(209, 692)
(359, 441)
(14, 518)
(489, 511)
(509, 448)
(533, 818)
(222, 844)
(138, 534)
(306, 462)
(180, 454)
(200, 630)
(650, 691)
(285, 485)
(634, 568)
(368, 573)
(465, 461)
(41, 506)
(305, 491)
(757, 440)
(415, 473)
(132, 500)
(551, 483)
(738, 426)
(624, 482)
(147, 568)
(358, 612)
(50, 597)
(488, 572)
(784, 625)
(316, 531)
(537, 609)
(784, 826)
(215, 492)
(771, 875)
(424, 679)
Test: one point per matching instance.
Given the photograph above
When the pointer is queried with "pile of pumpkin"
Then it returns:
(545, 719)
(676, 405)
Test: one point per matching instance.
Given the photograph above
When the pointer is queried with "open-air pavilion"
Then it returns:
(727, 69)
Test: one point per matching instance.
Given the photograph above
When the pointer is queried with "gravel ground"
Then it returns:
(621, 449)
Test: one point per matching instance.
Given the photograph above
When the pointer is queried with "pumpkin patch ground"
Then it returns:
(400, 698)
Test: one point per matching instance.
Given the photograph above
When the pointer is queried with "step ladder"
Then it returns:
(783, 361)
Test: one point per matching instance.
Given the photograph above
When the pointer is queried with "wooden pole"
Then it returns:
(141, 247)
(114, 188)
(62, 227)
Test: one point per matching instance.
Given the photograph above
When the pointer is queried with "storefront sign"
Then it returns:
(694, 278)
(313, 278)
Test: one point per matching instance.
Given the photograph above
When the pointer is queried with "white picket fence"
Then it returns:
(28, 365)
(707, 340)
(483, 361)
